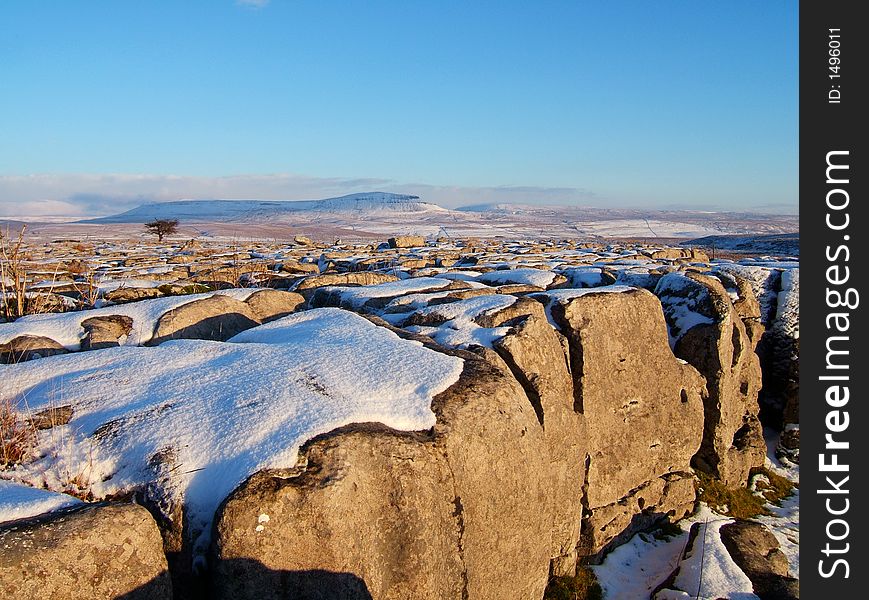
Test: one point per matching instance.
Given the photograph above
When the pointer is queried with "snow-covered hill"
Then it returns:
(259, 210)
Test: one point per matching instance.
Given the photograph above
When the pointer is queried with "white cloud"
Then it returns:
(253, 3)
(84, 195)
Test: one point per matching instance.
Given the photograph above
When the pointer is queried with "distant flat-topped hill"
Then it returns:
(260, 210)
(373, 215)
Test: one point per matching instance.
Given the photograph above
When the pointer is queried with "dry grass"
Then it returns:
(17, 435)
(583, 586)
(741, 502)
(13, 277)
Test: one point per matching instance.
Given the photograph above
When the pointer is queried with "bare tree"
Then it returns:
(162, 227)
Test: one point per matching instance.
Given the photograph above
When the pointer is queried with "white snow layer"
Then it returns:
(680, 298)
(19, 501)
(224, 410)
(459, 329)
(583, 277)
(65, 328)
(787, 317)
(708, 572)
(358, 296)
(537, 277)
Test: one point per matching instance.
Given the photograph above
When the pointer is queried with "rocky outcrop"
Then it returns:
(534, 353)
(213, 318)
(269, 305)
(122, 295)
(755, 550)
(709, 334)
(105, 332)
(641, 435)
(406, 241)
(455, 512)
(28, 347)
(307, 286)
(96, 551)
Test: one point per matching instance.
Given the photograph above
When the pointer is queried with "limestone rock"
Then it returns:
(455, 512)
(122, 295)
(213, 318)
(302, 240)
(756, 551)
(292, 266)
(307, 286)
(643, 410)
(29, 347)
(269, 305)
(97, 551)
(534, 353)
(721, 348)
(51, 417)
(406, 241)
(105, 332)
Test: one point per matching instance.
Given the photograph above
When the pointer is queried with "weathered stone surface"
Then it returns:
(456, 512)
(213, 318)
(97, 551)
(723, 351)
(756, 551)
(51, 417)
(307, 286)
(105, 332)
(534, 353)
(122, 294)
(269, 305)
(294, 266)
(643, 410)
(406, 241)
(303, 240)
(336, 297)
(29, 347)
(517, 289)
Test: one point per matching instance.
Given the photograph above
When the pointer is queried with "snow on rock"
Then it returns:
(356, 297)
(764, 282)
(468, 309)
(584, 277)
(637, 567)
(552, 297)
(459, 275)
(66, 328)
(456, 326)
(787, 316)
(220, 411)
(682, 299)
(638, 277)
(524, 276)
(18, 501)
(708, 571)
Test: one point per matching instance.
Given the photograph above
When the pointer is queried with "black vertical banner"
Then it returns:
(834, 362)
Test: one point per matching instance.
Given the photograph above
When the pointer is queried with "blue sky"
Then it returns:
(622, 103)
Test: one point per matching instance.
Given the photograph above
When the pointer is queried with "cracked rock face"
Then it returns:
(98, 551)
(643, 413)
(455, 512)
(534, 353)
(722, 348)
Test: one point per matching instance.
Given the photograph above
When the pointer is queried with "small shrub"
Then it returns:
(17, 435)
(583, 586)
